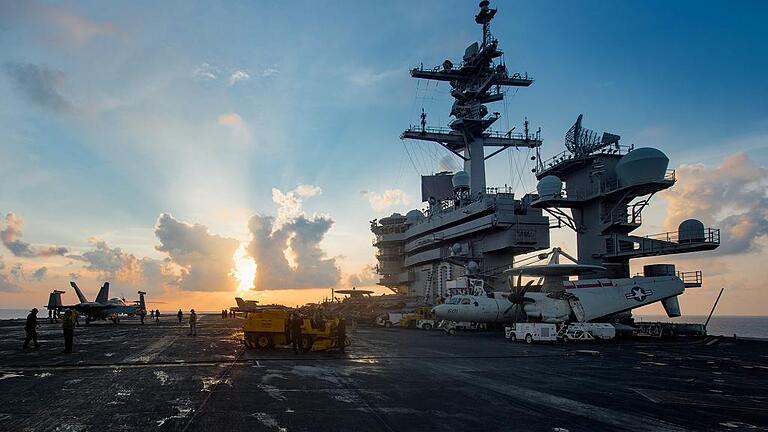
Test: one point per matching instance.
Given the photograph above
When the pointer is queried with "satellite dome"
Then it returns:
(690, 230)
(460, 180)
(472, 267)
(414, 216)
(549, 187)
(642, 165)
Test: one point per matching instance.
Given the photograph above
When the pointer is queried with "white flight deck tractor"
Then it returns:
(426, 324)
(389, 319)
(531, 332)
(549, 332)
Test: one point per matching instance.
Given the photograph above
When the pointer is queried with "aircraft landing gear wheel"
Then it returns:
(451, 332)
(305, 343)
(566, 338)
(528, 339)
(387, 324)
(264, 341)
(427, 326)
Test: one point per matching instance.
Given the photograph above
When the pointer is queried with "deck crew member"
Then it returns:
(295, 324)
(157, 315)
(180, 314)
(142, 314)
(68, 323)
(341, 333)
(31, 328)
(192, 323)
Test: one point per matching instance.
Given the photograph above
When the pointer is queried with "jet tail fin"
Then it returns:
(142, 304)
(79, 293)
(103, 295)
(671, 306)
(54, 300)
(240, 302)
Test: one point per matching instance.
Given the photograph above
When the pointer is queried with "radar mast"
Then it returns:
(476, 81)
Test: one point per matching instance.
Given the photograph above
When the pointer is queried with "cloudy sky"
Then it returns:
(197, 150)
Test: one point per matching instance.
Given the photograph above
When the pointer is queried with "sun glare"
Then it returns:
(245, 270)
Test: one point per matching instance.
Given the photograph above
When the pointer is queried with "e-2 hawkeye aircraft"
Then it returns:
(555, 299)
(100, 309)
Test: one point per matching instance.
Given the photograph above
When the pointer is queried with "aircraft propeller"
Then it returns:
(517, 296)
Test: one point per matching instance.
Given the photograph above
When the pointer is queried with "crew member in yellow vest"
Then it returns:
(68, 323)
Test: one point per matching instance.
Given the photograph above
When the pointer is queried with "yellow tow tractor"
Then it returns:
(267, 328)
(411, 320)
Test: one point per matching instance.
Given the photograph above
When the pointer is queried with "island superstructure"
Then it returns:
(597, 187)
(467, 227)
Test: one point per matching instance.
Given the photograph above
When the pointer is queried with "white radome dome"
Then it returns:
(460, 180)
(549, 187)
(414, 216)
(642, 165)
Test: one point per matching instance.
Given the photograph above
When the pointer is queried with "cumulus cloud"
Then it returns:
(39, 274)
(236, 125)
(53, 23)
(116, 265)
(387, 199)
(287, 249)
(270, 71)
(11, 237)
(290, 202)
(366, 277)
(205, 72)
(7, 282)
(237, 76)
(206, 260)
(76, 28)
(732, 197)
(39, 84)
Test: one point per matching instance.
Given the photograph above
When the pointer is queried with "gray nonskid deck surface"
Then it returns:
(157, 377)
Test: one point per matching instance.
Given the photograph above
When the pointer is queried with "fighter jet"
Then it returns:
(555, 299)
(245, 305)
(100, 309)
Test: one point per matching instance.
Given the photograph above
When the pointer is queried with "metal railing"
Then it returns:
(500, 190)
(661, 243)
(708, 235)
(566, 155)
(691, 278)
(487, 134)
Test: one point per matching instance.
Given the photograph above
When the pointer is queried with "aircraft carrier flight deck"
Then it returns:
(156, 377)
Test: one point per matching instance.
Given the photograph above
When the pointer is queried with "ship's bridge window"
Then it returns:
(465, 301)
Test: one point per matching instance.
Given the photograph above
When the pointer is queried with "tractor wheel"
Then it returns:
(528, 339)
(249, 342)
(305, 343)
(512, 337)
(264, 341)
